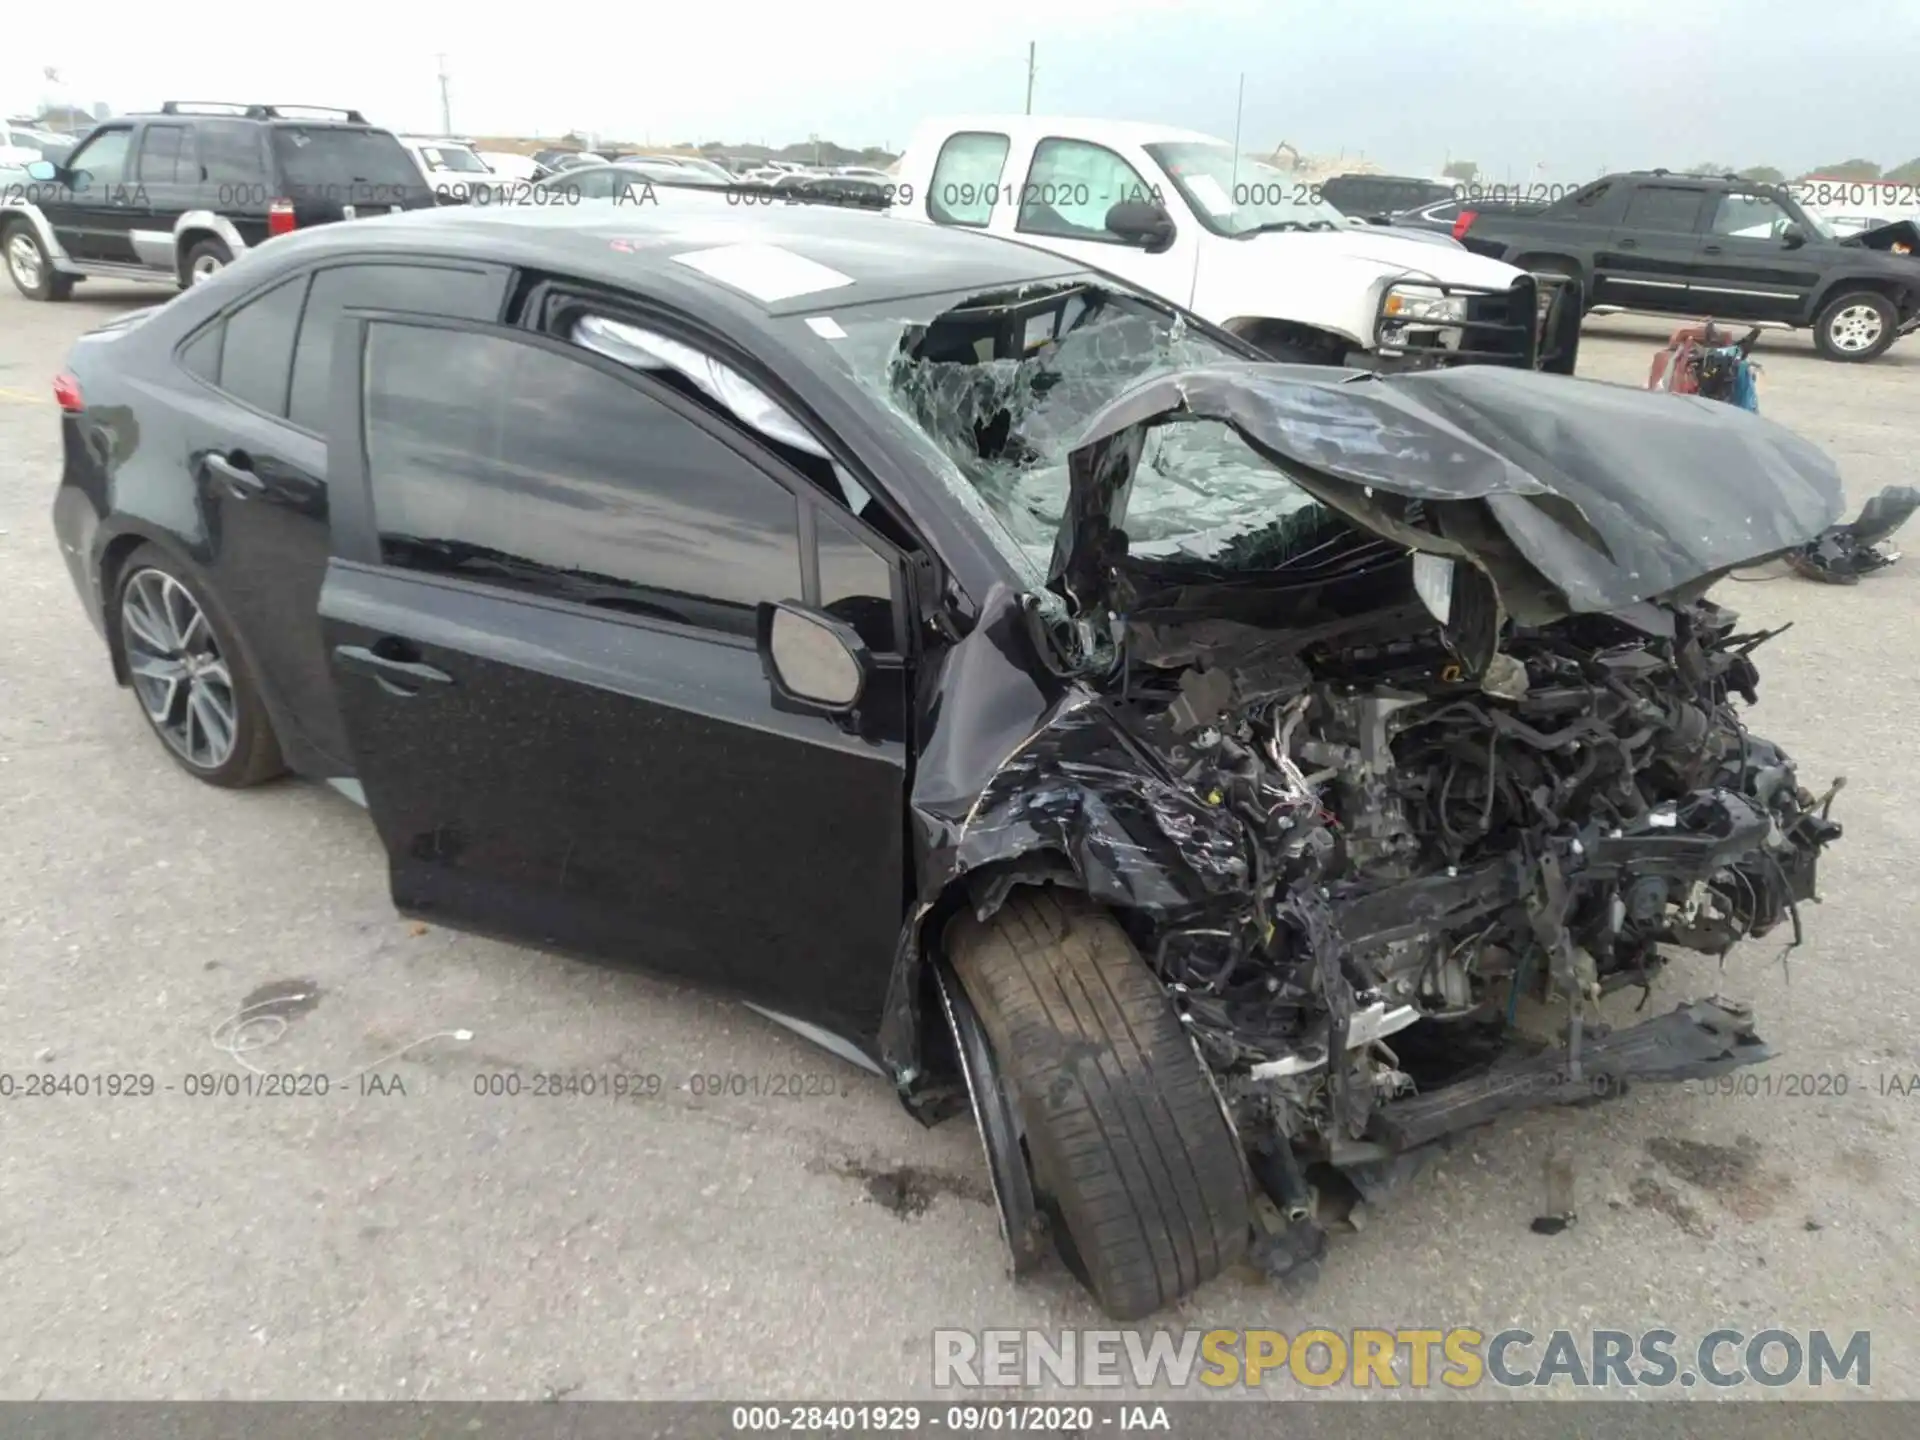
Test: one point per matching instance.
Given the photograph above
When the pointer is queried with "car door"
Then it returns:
(94, 213)
(1648, 258)
(258, 455)
(1062, 206)
(166, 171)
(541, 610)
(1748, 268)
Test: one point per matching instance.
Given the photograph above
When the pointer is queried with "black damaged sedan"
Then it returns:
(1228, 780)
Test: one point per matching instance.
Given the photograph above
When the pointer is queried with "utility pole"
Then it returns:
(1239, 111)
(446, 110)
(1030, 50)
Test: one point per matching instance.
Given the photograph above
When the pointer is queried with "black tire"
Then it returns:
(255, 755)
(1124, 1130)
(51, 285)
(211, 250)
(1565, 269)
(1841, 323)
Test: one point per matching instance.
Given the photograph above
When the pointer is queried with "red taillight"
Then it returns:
(1464, 223)
(66, 393)
(280, 217)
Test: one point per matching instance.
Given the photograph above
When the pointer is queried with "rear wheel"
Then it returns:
(30, 266)
(206, 259)
(192, 682)
(1856, 326)
(1128, 1142)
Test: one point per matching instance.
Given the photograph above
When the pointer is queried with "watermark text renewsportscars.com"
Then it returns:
(1456, 1358)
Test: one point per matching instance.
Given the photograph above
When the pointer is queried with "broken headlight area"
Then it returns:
(1424, 850)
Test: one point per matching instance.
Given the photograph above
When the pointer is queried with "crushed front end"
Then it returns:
(1390, 716)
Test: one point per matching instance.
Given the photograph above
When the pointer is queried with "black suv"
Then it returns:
(182, 194)
(1719, 246)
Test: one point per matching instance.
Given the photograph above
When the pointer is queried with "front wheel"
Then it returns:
(189, 675)
(30, 265)
(1128, 1141)
(1856, 326)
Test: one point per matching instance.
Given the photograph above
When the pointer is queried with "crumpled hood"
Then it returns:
(1889, 237)
(1571, 495)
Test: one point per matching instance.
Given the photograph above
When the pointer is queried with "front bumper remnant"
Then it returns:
(1695, 1042)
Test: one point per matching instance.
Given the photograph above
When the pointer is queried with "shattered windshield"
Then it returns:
(1236, 196)
(999, 388)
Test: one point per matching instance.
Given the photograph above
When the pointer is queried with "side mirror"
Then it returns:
(1142, 223)
(43, 170)
(817, 665)
(1793, 236)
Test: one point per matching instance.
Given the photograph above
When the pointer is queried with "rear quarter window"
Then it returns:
(256, 358)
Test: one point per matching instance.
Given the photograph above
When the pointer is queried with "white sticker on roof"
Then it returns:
(766, 272)
(826, 327)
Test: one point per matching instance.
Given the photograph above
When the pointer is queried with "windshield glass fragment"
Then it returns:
(998, 389)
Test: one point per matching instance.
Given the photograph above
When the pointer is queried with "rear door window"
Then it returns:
(256, 357)
(425, 289)
(966, 178)
(1668, 208)
(161, 155)
(230, 156)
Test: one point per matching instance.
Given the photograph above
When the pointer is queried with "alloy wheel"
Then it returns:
(23, 259)
(1855, 328)
(178, 671)
(205, 267)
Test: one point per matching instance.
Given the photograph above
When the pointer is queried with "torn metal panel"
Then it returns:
(1573, 495)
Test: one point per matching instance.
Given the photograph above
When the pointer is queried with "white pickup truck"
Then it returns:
(1244, 245)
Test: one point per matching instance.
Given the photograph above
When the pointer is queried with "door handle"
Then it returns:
(1629, 244)
(396, 677)
(237, 475)
(1709, 249)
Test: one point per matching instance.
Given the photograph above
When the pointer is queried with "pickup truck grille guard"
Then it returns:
(1521, 325)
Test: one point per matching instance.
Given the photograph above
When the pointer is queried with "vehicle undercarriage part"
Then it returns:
(1846, 552)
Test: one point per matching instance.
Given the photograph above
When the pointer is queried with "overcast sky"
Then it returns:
(1509, 83)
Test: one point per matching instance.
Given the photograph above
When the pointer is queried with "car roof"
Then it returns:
(1122, 132)
(627, 245)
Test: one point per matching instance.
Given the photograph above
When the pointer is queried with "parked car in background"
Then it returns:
(1248, 246)
(21, 145)
(698, 164)
(624, 182)
(1365, 196)
(1715, 246)
(180, 194)
(869, 190)
(558, 160)
(452, 167)
(506, 165)
(852, 617)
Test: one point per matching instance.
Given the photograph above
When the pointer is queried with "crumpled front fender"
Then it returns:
(1019, 765)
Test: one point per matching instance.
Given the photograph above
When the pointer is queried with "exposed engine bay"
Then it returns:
(1429, 846)
(1376, 708)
